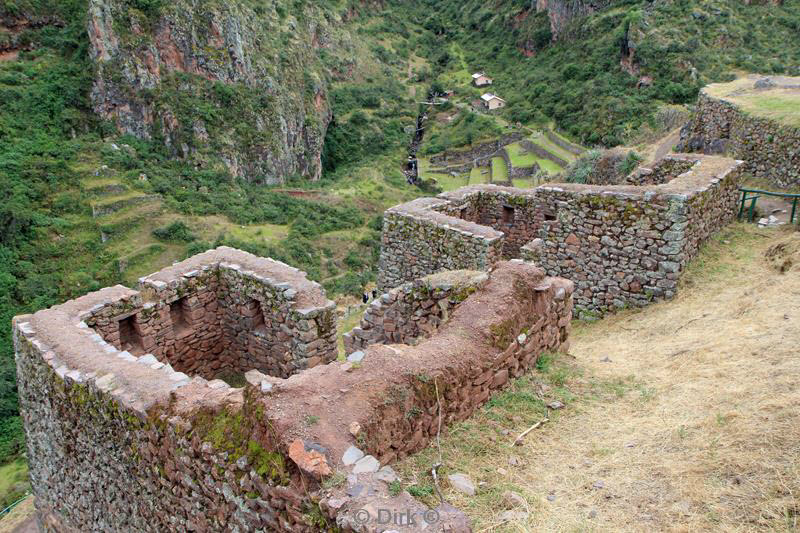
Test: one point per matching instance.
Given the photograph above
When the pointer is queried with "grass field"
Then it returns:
(499, 170)
(524, 183)
(14, 482)
(682, 416)
(554, 149)
(779, 104)
(519, 156)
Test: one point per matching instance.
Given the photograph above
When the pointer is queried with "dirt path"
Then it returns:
(665, 145)
(684, 416)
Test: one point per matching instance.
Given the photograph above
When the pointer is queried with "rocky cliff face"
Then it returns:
(219, 82)
(562, 12)
(15, 21)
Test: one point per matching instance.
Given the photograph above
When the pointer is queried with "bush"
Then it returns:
(582, 168)
(630, 163)
(175, 232)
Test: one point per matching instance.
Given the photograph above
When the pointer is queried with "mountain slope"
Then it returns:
(239, 82)
(600, 69)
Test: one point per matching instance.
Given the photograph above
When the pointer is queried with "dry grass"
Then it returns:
(684, 416)
(20, 519)
(780, 103)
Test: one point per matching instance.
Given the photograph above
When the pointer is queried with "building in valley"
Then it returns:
(492, 101)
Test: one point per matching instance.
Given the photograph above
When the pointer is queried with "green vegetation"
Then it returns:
(578, 82)
(43, 101)
(580, 171)
(13, 481)
(607, 167)
(369, 121)
(499, 170)
(175, 232)
(466, 128)
(520, 157)
(57, 160)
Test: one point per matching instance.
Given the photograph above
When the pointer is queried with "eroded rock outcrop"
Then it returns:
(219, 82)
(562, 12)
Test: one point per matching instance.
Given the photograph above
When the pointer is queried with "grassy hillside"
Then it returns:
(578, 81)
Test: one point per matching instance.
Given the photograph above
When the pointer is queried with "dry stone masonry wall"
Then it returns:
(120, 441)
(414, 310)
(209, 317)
(563, 143)
(419, 240)
(539, 151)
(510, 211)
(771, 150)
(663, 171)
(476, 155)
(622, 245)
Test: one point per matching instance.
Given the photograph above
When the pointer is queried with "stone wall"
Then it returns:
(541, 152)
(207, 317)
(418, 240)
(478, 152)
(563, 143)
(510, 211)
(663, 171)
(503, 153)
(523, 172)
(118, 442)
(414, 310)
(771, 150)
(622, 245)
(626, 247)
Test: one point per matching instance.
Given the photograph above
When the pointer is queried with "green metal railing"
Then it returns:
(752, 195)
(11, 507)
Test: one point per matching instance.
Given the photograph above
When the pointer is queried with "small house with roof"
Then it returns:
(492, 101)
(479, 79)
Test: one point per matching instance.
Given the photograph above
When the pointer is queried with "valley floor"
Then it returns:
(684, 416)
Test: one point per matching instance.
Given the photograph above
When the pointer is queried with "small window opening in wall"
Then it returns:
(550, 216)
(508, 214)
(129, 338)
(257, 324)
(178, 317)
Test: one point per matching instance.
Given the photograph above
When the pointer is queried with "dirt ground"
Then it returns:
(683, 416)
(663, 147)
(21, 519)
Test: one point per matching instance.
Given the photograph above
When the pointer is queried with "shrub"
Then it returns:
(175, 232)
(630, 163)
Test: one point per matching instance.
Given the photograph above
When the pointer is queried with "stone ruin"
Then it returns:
(770, 148)
(129, 428)
(232, 313)
(622, 245)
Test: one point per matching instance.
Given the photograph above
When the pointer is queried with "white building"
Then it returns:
(492, 101)
(479, 79)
